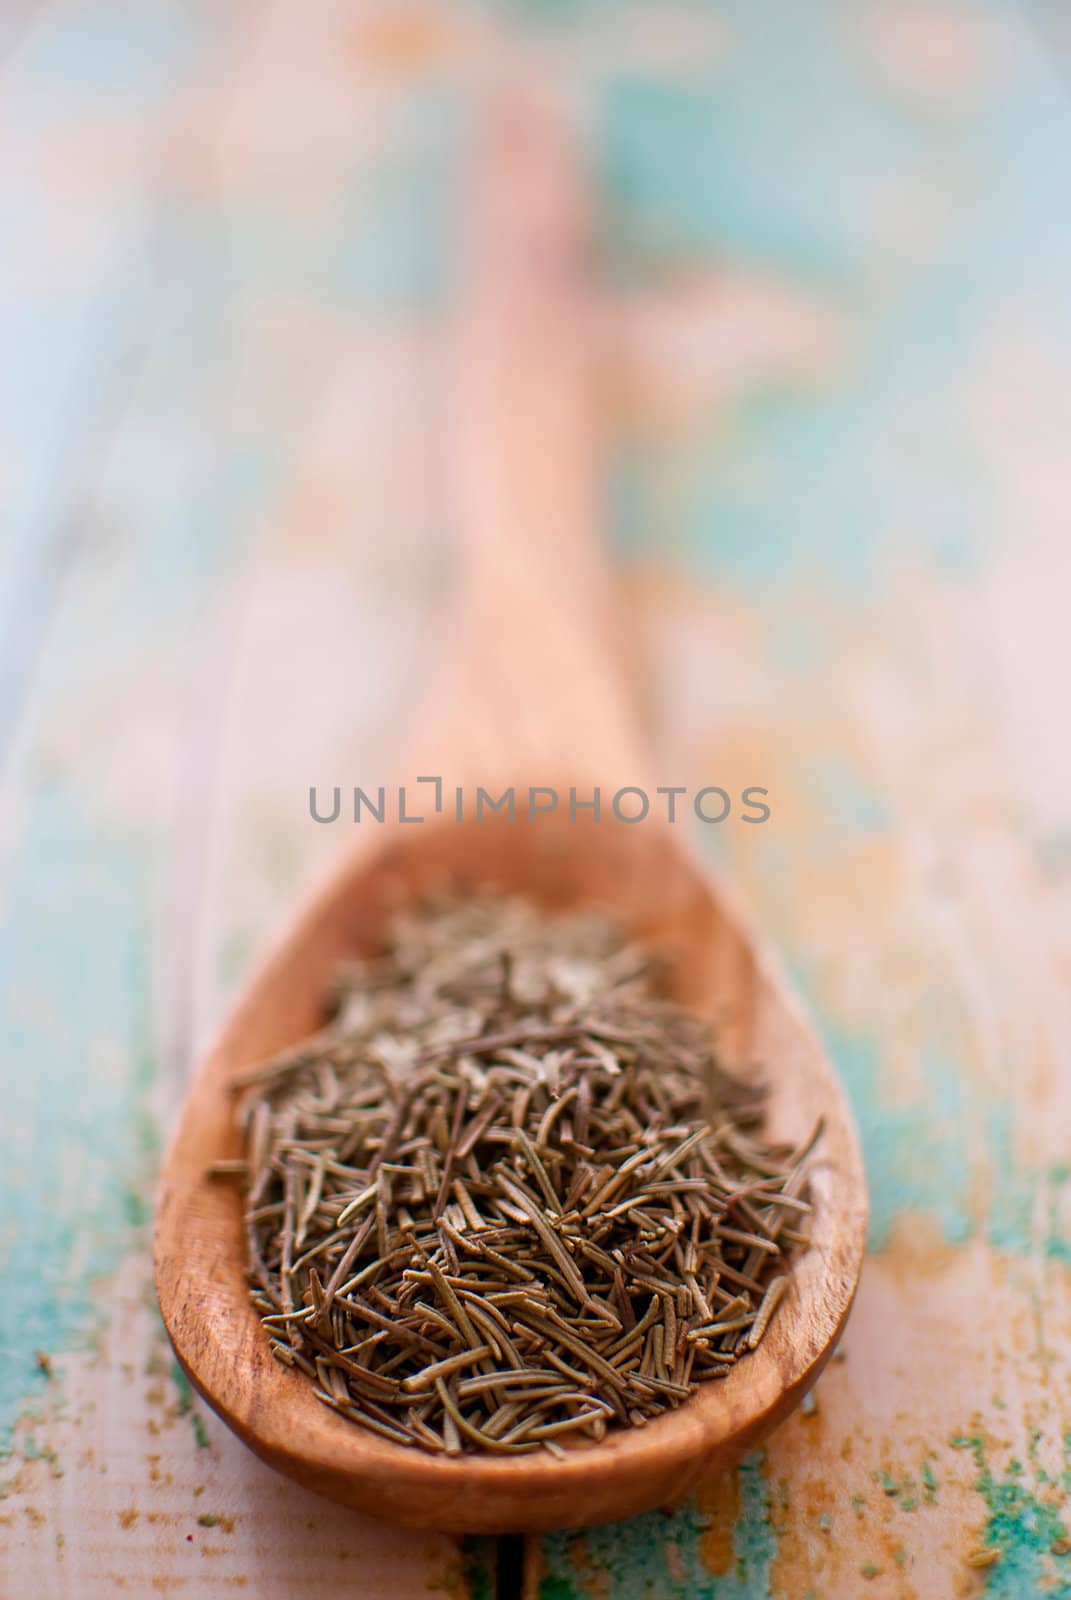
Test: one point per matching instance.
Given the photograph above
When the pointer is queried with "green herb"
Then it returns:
(508, 1198)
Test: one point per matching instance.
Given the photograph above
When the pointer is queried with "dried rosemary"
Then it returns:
(507, 1199)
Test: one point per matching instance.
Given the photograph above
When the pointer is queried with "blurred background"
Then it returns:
(835, 244)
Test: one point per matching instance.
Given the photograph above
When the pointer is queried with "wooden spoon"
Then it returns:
(533, 694)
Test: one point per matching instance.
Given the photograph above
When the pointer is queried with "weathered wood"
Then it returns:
(124, 426)
(839, 379)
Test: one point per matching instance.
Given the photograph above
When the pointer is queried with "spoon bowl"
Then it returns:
(640, 875)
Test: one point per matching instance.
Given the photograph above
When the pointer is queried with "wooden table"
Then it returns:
(840, 246)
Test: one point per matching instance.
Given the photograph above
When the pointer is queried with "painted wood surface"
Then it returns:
(838, 337)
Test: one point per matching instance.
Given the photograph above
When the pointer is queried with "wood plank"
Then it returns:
(831, 611)
(86, 236)
(115, 775)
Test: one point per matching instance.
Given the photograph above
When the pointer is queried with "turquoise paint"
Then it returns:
(382, 241)
(1027, 1205)
(104, 56)
(846, 478)
(78, 1141)
(1023, 1528)
(852, 808)
(555, 13)
(838, 485)
(916, 1156)
(78, 1145)
(188, 1404)
(706, 166)
(658, 1557)
(1013, 1191)
(179, 283)
(920, 1156)
(1058, 1248)
(172, 511)
(67, 332)
(790, 151)
(397, 221)
(74, 1030)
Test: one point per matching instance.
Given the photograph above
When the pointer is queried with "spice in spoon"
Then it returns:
(507, 1198)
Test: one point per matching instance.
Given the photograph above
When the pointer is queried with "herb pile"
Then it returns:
(507, 1199)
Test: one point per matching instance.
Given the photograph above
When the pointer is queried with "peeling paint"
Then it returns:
(671, 1555)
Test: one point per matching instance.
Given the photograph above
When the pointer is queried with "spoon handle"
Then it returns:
(541, 649)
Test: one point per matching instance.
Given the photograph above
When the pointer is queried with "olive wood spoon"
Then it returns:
(533, 693)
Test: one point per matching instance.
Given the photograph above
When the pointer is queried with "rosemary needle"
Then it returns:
(507, 1196)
